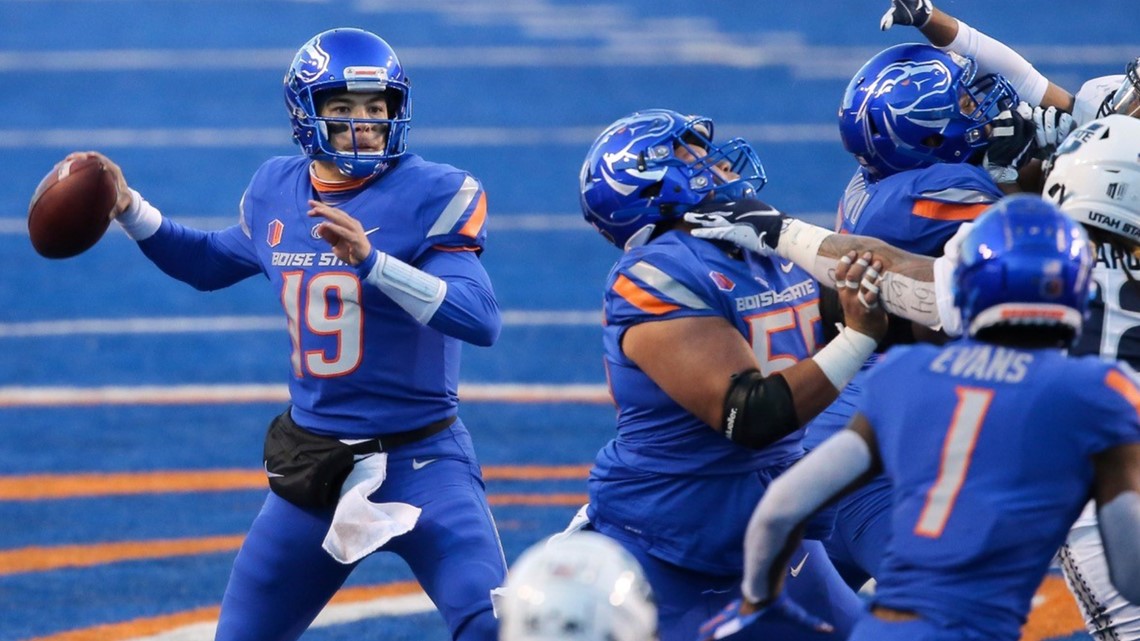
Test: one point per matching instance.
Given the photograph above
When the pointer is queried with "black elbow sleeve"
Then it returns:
(758, 411)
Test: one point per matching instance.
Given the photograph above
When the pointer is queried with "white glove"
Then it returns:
(1052, 127)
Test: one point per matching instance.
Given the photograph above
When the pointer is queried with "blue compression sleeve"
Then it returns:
(204, 260)
(469, 311)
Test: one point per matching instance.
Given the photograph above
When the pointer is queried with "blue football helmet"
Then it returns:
(913, 106)
(632, 177)
(1023, 263)
(347, 60)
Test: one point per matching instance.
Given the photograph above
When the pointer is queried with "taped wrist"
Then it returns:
(799, 242)
(758, 411)
(141, 219)
(842, 358)
(416, 291)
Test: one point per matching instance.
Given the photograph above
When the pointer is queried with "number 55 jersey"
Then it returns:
(654, 483)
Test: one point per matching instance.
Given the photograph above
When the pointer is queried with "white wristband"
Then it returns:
(841, 359)
(799, 242)
(140, 220)
(416, 291)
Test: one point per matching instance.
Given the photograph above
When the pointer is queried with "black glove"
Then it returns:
(1013, 141)
(915, 13)
(748, 223)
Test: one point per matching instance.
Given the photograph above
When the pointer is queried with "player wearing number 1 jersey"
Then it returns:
(374, 254)
(1000, 440)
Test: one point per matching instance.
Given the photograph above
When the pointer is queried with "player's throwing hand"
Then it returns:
(342, 232)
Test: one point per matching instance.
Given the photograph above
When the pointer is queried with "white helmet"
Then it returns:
(581, 587)
(1095, 176)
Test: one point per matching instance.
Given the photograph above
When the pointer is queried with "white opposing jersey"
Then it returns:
(1092, 95)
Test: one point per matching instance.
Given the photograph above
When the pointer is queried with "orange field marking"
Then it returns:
(35, 487)
(48, 558)
(1056, 613)
(43, 558)
(149, 626)
(538, 500)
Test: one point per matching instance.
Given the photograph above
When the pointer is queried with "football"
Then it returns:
(71, 208)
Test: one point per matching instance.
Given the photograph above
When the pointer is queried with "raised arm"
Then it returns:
(947, 32)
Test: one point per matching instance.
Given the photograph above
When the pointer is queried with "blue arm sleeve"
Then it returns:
(204, 260)
(469, 311)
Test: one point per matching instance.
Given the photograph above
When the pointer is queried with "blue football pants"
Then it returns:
(686, 598)
(282, 577)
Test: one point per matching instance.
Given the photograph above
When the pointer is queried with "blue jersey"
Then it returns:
(663, 456)
(361, 365)
(989, 467)
(917, 210)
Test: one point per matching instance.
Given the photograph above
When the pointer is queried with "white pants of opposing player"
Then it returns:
(1108, 616)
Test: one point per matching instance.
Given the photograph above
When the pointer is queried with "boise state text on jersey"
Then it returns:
(666, 460)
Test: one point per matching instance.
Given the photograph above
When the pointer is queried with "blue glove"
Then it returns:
(915, 13)
(782, 608)
(749, 224)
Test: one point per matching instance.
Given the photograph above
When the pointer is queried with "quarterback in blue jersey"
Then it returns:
(375, 254)
(1015, 436)
(714, 361)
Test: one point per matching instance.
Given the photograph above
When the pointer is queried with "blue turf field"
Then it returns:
(186, 96)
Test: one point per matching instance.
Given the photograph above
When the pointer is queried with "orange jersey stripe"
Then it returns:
(1121, 385)
(478, 217)
(328, 187)
(947, 211)
(640, 298)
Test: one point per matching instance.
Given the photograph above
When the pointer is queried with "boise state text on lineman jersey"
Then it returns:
(664, 456)
(989, 466)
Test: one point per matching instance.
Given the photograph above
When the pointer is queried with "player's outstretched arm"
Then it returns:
(907, 286)
(993, 56)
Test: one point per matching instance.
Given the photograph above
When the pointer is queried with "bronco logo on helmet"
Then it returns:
(312, 62)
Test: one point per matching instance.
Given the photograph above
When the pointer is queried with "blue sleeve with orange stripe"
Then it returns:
(656, 282)
(455, 215)
(919, 210)
(205, 260)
